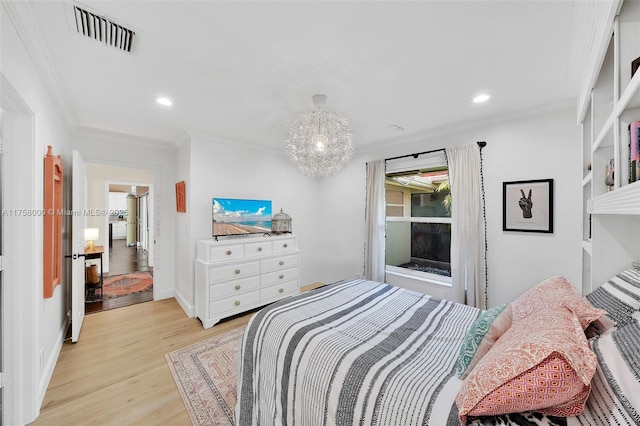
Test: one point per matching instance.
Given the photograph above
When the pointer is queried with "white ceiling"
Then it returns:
(240, 70)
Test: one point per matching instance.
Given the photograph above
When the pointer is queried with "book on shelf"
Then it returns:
(634, 151)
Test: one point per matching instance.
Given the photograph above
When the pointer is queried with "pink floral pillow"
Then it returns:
(542, 363)
(554, 292)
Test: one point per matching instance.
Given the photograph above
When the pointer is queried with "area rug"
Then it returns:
(120, 285)
(205, 374)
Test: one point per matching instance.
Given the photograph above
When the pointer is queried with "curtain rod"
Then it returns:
(481, 144)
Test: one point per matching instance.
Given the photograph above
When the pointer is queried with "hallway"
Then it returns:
(123, 260)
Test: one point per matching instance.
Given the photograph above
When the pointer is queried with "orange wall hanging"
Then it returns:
(181, 197)
(53, 212)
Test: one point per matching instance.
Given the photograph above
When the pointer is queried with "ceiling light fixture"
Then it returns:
(483, 97)
(319, 142)
(164, 101)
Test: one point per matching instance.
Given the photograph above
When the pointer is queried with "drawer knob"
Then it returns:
(237, 303)
(237, 271)
(281, 290)
(281, 276)
(281, 262)
(237, 286)
(285, 245)
(259, 248)
(228, 252)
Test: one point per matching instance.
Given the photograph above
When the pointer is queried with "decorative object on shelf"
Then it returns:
(319, 142)
(53, 210)
(634, 151)
(281, 223)
(181, 197)
(635, 64)
(609, 175)
(91, 235)
(527, 206)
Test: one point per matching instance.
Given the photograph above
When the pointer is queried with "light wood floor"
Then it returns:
(117, 373)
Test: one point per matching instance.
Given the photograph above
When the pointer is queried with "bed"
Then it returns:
(359, 352)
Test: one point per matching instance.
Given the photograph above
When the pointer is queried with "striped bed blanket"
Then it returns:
(364, 353)
(352, 353)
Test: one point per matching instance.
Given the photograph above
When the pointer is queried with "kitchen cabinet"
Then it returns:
(117, 204)
(119, 230)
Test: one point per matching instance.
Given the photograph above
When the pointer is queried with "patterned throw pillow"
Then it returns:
(555, 292)
(620, 297)
(542, 363)
(552, 382)
(483, 333)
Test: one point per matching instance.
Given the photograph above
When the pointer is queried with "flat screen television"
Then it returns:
(234, 216)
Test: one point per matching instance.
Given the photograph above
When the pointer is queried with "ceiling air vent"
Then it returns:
(103, 29)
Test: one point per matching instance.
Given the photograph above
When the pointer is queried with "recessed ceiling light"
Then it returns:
(164, 101)
(483, 97)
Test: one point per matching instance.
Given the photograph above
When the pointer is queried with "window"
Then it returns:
(418, 219)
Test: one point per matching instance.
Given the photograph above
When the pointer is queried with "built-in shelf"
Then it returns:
(624, 200)
(609, 102)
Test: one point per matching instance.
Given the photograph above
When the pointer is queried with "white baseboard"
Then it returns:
(162, 294)
(50, 365)
(188, 308)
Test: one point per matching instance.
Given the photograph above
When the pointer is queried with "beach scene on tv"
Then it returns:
(232, 216)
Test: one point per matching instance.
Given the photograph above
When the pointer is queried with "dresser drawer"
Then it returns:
(271, 278)
(238, 302)
(227, 288)
(288, 244)
(230, 252)
(281, 262)
(233, 275)
(278, 291)
(257, 249)
(236, 270)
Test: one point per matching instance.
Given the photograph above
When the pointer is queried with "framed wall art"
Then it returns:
(52, 238)
(181, 197)
(527, 206)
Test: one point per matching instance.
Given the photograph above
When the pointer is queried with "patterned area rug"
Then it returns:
(119, 285)
(205, 374)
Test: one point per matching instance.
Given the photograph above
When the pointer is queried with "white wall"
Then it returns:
(153, 158)
(538, 146)
(217, 168)
(37, 324)
(185, 247)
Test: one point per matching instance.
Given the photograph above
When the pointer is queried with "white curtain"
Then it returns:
(468, 274)
(374, 254)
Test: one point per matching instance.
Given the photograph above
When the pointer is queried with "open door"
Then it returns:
(78, 191)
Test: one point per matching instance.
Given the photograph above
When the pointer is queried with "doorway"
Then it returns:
(128, 252)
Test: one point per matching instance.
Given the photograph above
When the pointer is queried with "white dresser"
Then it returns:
(238, 274)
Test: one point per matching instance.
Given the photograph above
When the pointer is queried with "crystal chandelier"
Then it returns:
(319, 142)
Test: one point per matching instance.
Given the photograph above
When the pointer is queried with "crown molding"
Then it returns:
(233, 143)
(111, 136)
(457, 127)
(22, 18)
